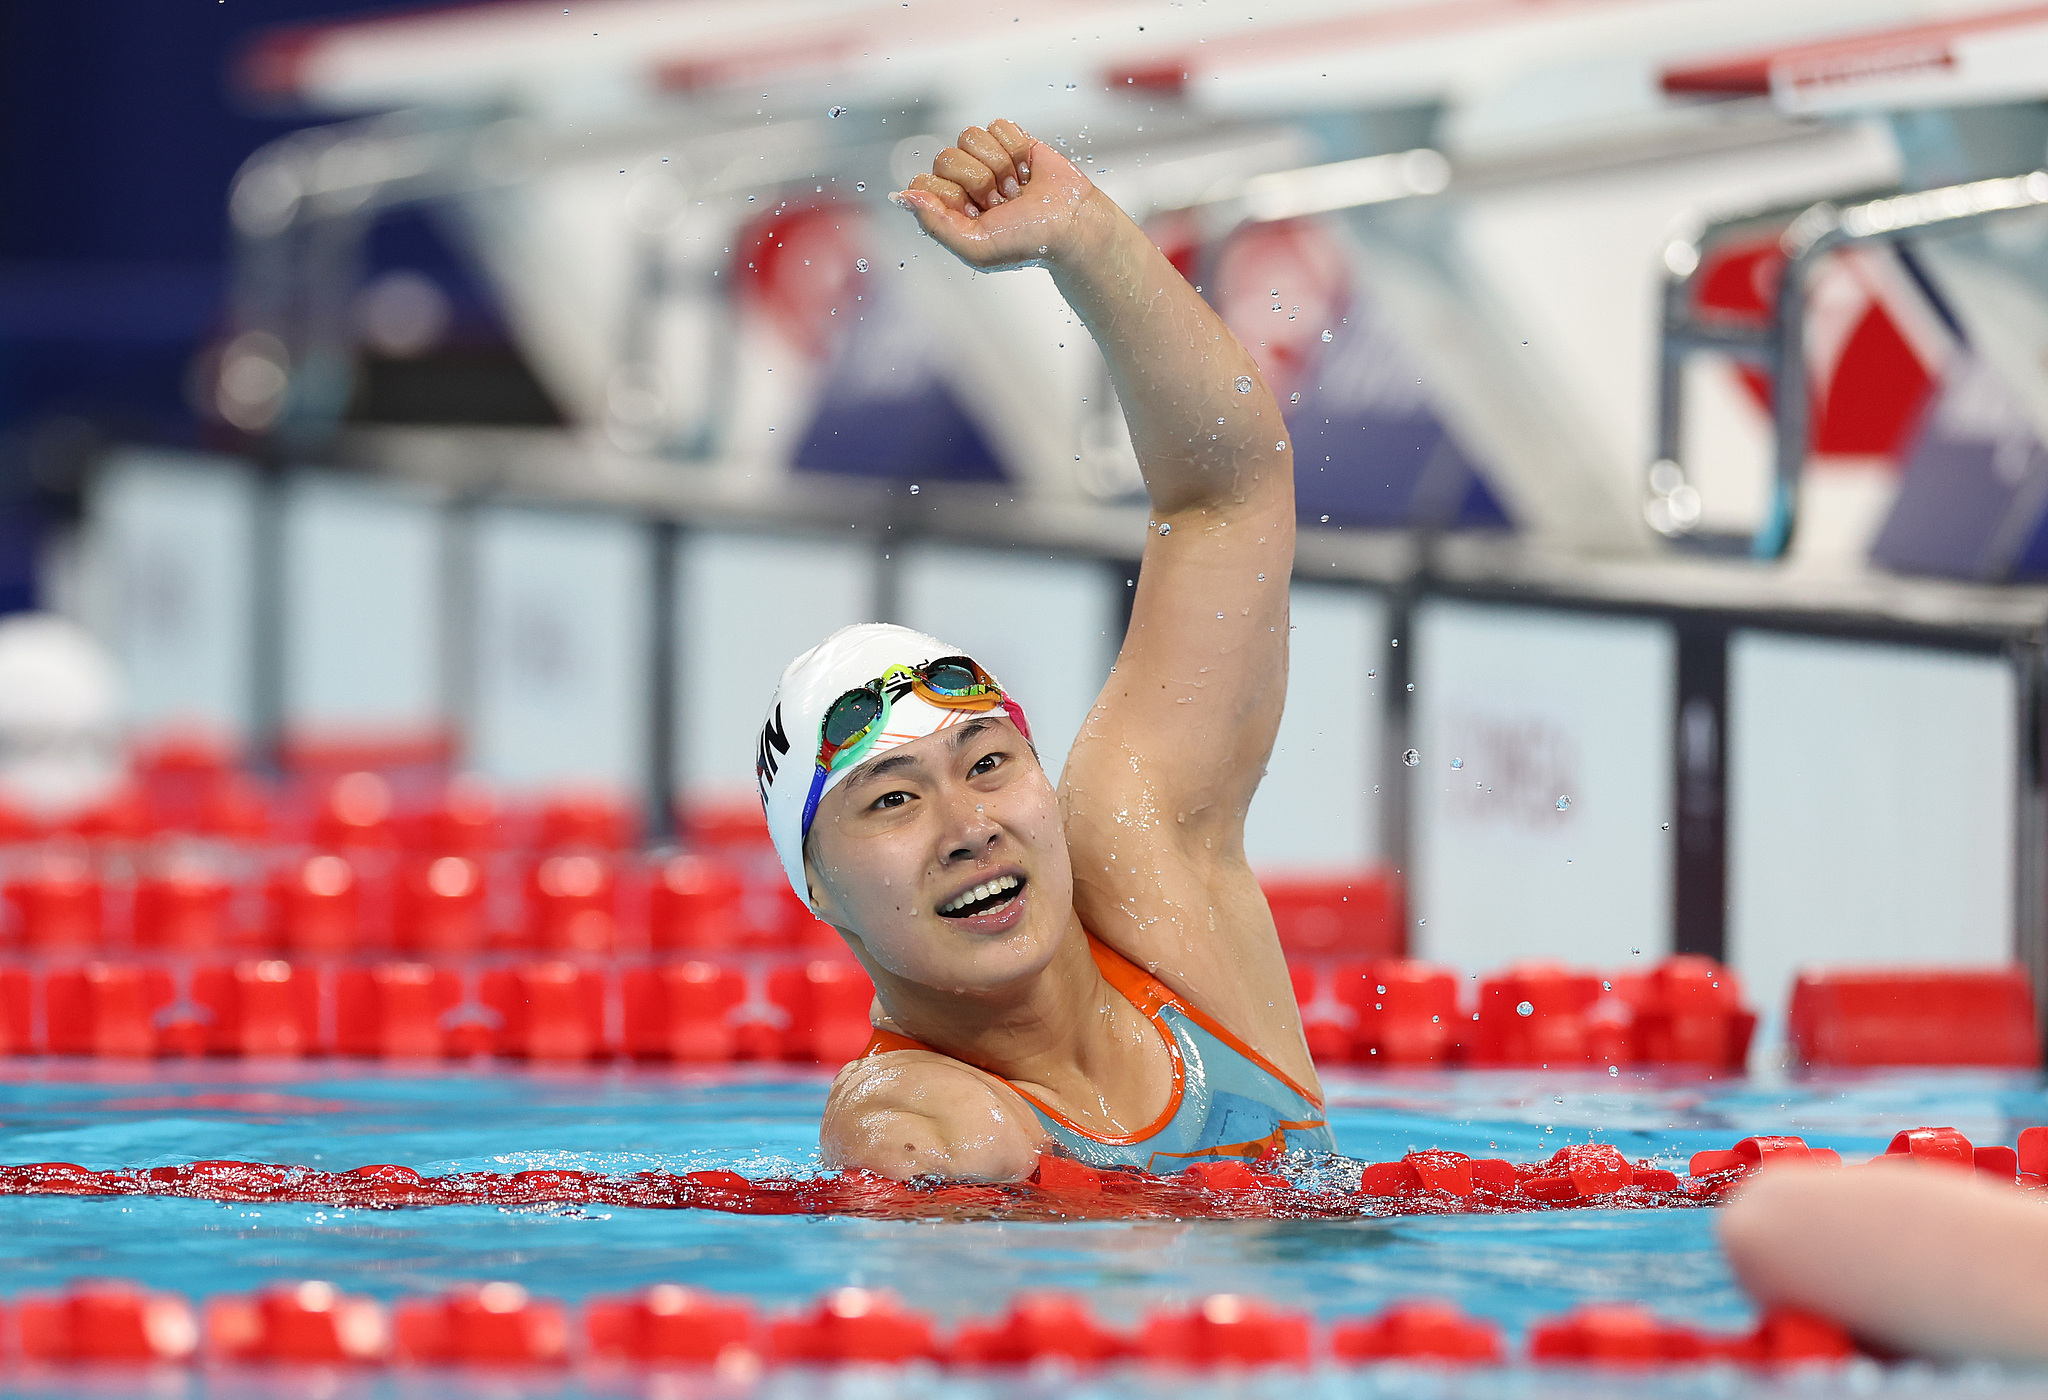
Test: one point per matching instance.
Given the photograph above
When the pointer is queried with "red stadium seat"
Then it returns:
(395, 1009)
(266, 1007)
(694, 906)
(1914, 1016)
(829, 1004)
(107, 1009)
(682, 1011)
(1352, 916)
(547, 1010)
(315, 905)
(572, 903)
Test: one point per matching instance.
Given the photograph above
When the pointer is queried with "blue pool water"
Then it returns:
(1511, 1268)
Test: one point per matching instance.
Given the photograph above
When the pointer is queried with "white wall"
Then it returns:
(1538, 704)
(1048, 628)
(1318, 808)
(1870, 808)
(562, 655)
(171, 539)
(362, 600)
(749, 604)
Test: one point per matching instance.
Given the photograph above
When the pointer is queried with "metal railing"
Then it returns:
(1810, 233)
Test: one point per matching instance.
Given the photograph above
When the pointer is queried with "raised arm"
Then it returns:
(1199, 684)
(1158, 783)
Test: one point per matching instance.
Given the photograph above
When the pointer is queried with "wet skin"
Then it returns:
(1142, 843)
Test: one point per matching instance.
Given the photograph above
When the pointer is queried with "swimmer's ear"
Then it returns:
(821, 896)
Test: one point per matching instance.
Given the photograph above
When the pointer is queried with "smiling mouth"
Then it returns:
(990, 894)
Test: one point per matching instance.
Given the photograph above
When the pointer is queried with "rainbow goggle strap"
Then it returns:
(854, 721)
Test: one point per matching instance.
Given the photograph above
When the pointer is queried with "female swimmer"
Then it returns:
(1091, 970)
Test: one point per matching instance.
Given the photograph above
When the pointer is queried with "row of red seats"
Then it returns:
(193, 790)
(330, 904)
(501, 1324)
(577, 901)
(1685, 1011)
(538, 1010)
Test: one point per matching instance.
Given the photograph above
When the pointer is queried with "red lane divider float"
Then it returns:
(502, 1325)
(1432, 1182)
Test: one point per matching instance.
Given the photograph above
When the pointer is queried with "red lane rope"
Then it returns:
(1423, 1183)
(1433, 1182)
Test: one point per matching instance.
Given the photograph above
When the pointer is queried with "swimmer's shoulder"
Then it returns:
(909, 1113)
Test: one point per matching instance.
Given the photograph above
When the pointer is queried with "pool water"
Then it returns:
(1510, 1268)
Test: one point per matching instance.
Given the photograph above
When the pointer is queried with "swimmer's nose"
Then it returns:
(976, 848)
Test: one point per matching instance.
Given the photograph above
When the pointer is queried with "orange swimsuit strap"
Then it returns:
(1146, 992)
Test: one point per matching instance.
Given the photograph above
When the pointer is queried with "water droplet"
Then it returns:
(1614, 1071)
(1326, 520)
(860, 264)
(1327, 337)
(1370, 672)
(913, 488)
(1411, 687)
(1164, 528)
(1072, 86)
(860, 184)
(1280, 447)
(1244, 384)
(1667, 826)
(1411, 758)
(1294, 397)
(903, 264)
(1262, 578)
(1457, 763)
(1525, 1009)
(1606, 986)
(1637, 951)
(1564, 802)
(841, 111)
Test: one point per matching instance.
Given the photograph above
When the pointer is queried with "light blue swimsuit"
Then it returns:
(1228, 1100)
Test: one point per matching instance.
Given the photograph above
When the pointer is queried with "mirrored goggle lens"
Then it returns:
(849, 715)
(953, 675)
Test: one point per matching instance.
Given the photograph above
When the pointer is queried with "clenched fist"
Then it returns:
(1000, 198)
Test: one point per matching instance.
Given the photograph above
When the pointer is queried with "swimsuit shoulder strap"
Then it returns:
(1143, 991)
(1137, 986)
(1150, 996)
(884, 1041)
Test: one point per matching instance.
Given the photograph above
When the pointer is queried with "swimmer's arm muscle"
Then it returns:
(1157, 786)
(909, 1114)
(1202, 675)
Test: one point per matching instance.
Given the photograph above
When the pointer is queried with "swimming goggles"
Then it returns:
(853, 721)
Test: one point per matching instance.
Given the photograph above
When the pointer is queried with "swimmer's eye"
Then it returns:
(891, 799)
(987, 763)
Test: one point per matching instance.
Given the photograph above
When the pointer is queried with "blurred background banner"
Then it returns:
(510, 389)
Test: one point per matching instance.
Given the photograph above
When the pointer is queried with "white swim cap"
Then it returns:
(785, 760)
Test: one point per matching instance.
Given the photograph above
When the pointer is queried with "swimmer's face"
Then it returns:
(899, 848)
